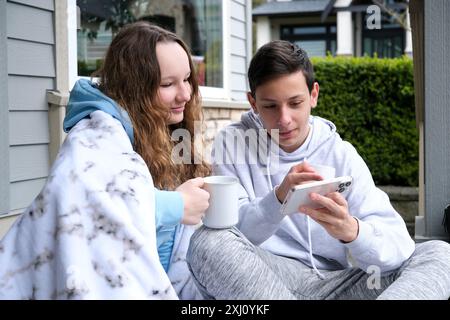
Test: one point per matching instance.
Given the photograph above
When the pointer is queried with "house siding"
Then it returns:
(30, 72)
(29, 23)
(4, 127)
(240, 44)
(437, 114)
(40, 4)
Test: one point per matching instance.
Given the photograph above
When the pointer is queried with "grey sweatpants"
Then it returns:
(225, 265)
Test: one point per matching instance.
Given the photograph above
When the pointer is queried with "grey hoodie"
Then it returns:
(383, 239)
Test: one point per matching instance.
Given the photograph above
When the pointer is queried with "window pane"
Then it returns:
(368, 47)
(377, 47)
(314, 48)
(398, 47)
(285, 31)
(333, 47)
(388, 47)
(197, 22)
(309, 30)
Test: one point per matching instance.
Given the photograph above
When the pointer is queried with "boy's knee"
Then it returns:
(435, 249)
(441, 247)
(206, 238)
(206, 243)
(437, 246)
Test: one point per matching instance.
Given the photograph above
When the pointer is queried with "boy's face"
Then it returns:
(285, 103)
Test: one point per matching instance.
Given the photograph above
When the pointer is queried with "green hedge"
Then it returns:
(371, 101)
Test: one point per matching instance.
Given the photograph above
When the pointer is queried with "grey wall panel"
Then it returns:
(43, 4)
(238, 10)
(239, 95)
(30, 23)
(23, 192)
(4, 130)
(238, 64)
(35, 88)
(437, 114)
(237, 80)
(30, 72)
(238, 46)
(28, 127)
(28, 162)
(28, 58)
(238, 28)
(240, 40)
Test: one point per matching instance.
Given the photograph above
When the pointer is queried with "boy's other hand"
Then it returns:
(334, 216)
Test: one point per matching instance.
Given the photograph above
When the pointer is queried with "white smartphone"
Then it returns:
(299, 195)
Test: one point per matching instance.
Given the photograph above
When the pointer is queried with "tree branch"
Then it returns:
(399, 18)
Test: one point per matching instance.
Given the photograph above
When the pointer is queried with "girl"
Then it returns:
(100, 228)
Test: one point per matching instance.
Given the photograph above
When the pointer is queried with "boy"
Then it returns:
(356, 246)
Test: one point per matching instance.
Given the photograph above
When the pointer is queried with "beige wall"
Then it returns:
(5, 224)
(218, 118)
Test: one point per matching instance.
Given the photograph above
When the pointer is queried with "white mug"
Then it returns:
(223, 210)
(326, 172)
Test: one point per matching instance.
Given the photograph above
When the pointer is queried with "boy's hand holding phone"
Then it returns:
(321, 200)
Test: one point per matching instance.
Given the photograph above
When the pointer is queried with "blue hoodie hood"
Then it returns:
(86, 98)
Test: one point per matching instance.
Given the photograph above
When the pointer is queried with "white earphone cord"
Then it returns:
(311, 259)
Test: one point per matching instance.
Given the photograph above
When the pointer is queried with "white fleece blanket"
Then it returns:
(90, 233)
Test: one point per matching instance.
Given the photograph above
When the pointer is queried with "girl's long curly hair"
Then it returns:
(130, 75)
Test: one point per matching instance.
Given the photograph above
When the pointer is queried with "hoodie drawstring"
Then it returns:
(310, 250)
(308, 220)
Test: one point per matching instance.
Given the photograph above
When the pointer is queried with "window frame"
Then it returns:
(213, 93)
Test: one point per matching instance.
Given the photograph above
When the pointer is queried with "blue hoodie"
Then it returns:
(86, 98)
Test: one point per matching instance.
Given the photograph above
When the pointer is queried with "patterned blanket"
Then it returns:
(90, 233)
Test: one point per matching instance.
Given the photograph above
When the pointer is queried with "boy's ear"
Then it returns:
(314, 95)
(252, 101)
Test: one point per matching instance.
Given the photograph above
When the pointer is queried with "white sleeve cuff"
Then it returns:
(363, 243)
(270, 206)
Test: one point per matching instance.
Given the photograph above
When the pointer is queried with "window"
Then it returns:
(386, 46)
(315, 40)
(197, 22)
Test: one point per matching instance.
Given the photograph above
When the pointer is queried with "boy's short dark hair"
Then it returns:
(278, 58)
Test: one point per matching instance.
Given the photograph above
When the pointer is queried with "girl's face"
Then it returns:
(175, 89)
